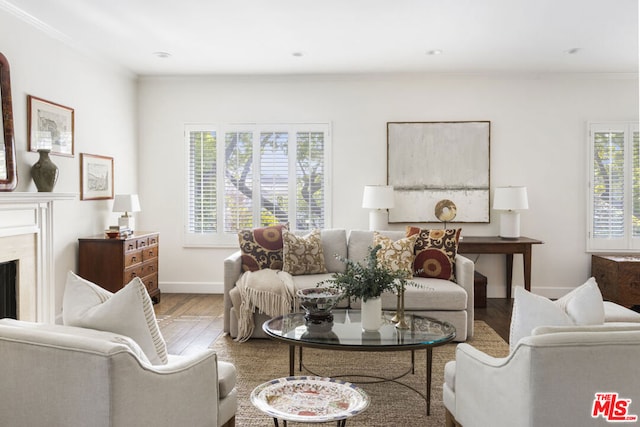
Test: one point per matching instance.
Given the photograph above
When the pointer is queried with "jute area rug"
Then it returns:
(260, 360)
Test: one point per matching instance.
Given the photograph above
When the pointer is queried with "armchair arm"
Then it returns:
(232, 272)
(183, 392)
(464, 277)
(488, 390)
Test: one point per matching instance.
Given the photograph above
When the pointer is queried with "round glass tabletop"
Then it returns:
(346, 331)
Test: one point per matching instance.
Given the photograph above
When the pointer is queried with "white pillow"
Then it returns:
(128, 312)
(581, 306)
(584, 304)
(531, 311)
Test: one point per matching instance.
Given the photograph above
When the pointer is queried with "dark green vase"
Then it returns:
(44, 172)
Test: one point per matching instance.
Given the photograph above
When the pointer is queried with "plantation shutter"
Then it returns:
(202, 182)
(636, 183)
(257, 175)
(608, 184)
(614, 190)
(274, 177)
(238, 181)
(310, 180)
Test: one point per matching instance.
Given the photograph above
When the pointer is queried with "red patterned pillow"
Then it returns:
(262, 247)
(435, 252)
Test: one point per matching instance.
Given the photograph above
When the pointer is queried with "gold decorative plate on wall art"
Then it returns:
(445, 210)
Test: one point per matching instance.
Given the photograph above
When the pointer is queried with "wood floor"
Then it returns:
(191, 322)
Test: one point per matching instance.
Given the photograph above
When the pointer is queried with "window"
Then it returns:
(246, 176)
(614, 187)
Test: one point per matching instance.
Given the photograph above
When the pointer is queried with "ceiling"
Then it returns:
(345, 36)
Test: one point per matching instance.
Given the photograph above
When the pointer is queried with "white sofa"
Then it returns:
(64, 376)
(550, 378)
(438, 298)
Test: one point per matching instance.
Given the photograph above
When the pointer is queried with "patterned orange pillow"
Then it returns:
(435, 252)
(262, 247)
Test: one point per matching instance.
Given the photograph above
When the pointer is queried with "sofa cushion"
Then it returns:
(128, 312)
(616, 313)
(430, 294)
(302, 254)
(396, 255)
(310, 281)
(334, 245)
(262, 247)
(435, 252)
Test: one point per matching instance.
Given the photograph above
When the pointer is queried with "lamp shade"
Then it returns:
(378, 197)
(126, 203)
(510, 198)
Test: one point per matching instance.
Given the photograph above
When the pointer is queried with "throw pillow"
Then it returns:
(128, 312)
(584, 304)
(435, 252)
(531, 311)
(302, 254)
(262, 247)
(397, 255)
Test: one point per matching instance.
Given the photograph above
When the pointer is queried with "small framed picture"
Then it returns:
(50, 126)
(96, 177)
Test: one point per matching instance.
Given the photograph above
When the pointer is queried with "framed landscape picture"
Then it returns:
(434, 163)
(50, 126)
(96, 177)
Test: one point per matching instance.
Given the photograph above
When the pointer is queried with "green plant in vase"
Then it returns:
(367, 280)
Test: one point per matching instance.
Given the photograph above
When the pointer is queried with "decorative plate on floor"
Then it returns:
(309, 399)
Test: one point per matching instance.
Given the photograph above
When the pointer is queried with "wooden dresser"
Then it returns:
(618, 278)
(112, 263)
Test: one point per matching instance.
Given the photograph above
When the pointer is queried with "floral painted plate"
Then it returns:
(309, 399)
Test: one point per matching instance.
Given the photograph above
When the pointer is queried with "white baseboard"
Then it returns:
(545, 291)
(191, 287)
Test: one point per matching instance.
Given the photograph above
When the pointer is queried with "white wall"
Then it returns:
(538, 139)
(104, 100)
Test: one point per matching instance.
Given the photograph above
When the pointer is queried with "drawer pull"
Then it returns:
(131, 247)
(134, 259)
(134, 274)
(151, 253)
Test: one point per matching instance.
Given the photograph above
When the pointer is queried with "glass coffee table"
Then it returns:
(345, 333)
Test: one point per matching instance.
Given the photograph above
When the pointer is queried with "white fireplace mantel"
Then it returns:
(32, 213)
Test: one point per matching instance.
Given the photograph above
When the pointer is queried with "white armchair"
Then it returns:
(55, 375)
(550, 379)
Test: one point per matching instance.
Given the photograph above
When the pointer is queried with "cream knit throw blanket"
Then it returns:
(269, 291)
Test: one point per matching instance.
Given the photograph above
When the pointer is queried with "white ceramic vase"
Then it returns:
(371, 313)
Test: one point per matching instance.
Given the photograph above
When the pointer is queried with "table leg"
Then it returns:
(300, 359)
(413, 362)
(509, 274)
(526, 258)
(429, 356)
(292, 359)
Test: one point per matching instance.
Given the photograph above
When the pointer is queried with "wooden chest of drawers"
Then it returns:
(618, 278)
(112, 263)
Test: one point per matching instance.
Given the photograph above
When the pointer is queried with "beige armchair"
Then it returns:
(550, 379)
(55, 375)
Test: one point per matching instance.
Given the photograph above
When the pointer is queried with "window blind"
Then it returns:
(202, 190)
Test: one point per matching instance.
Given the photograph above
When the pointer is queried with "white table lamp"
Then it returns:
(126, 203)
(378, 198)
(510, 200)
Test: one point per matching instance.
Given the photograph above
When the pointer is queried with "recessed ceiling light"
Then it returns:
(297, 54)
(162, 55)
(434, 52)
(573, 50)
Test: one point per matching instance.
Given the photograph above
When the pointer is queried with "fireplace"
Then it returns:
(8, 300)
(26, 241)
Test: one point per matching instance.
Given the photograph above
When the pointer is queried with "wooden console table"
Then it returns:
(498, 245)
